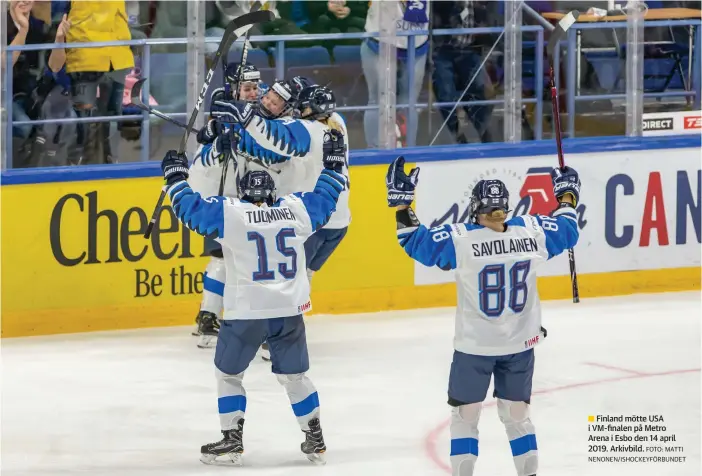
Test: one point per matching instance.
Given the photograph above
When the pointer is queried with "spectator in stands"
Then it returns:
(457, 59)
(93, 69)
(38, 83)
(410, 15)
(337, 16)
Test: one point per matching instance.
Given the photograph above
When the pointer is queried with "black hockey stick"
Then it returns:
(234, 30)
(136, 100)
(235, 94)
(557, 35)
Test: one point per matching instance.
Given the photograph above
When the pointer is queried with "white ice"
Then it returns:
(142, 402)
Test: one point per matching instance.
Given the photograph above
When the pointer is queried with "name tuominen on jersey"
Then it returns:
(270, 215)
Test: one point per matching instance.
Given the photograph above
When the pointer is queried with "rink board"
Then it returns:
(73, 258)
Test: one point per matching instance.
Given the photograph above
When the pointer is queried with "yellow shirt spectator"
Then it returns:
(98, 21)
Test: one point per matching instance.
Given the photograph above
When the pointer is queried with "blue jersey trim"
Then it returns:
(376, 157)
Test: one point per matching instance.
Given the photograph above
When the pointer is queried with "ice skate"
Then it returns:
(196, 331)
(229, 449)
(209, 329)
(313, 446)
(265, 352)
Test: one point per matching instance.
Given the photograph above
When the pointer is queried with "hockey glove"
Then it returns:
(566, 181)
(330, 184)
(334, 151)
(174, 167)
(235, 112)
(400, 185)
(209, 133)
(220, 94)
(222, 146)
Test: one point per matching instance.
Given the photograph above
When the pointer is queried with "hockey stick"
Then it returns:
(136, 100)
(235, 94)
(234, 30)
(557, 35)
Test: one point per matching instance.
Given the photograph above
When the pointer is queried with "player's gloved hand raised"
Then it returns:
(222, 147)
(330, 184)
(209, 133)
(174, 167)
(400, 185)
(334, 151)
(566, 181)
(236, 112)
(220, 94)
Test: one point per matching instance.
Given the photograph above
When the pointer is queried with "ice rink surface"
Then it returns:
(142, 402)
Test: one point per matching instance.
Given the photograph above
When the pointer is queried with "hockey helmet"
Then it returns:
(316, 101)
(488, 196)
(257, 186)
(247, 78)
(279, 100)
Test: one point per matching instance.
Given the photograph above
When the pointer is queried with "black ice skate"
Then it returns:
(313, 446)
(265, 352)
(208, 327)
(230, 448)
(196, 331)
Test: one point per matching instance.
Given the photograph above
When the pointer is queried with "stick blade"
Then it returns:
(560, 31)
(136, 92)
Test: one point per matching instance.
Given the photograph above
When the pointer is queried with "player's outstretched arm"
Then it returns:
(431, 247)
(205, 216)
(321, 202)
(271, 140)
(561, 228)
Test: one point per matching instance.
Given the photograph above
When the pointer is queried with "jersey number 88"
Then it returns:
(493, 292)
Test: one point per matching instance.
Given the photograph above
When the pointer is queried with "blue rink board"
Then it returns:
(376, 157)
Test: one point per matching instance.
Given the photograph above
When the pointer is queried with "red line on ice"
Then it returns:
(612, 367)
(430, 441)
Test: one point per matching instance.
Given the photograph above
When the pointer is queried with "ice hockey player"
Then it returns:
(317, 135)
(265, 292)
(498, 318)
(206, 178)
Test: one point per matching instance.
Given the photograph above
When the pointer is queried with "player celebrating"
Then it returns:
(498, 318)
(318, 135)
(206, 178)
(264, 296)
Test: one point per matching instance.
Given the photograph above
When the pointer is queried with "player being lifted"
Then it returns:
(316, 134)
(498, 317)
(265, 292)
(205, 178)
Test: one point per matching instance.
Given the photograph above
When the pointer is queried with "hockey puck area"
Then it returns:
(143, 402)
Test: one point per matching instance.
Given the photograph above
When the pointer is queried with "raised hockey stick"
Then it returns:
(234, 30)
(235, 94)
(557, 35)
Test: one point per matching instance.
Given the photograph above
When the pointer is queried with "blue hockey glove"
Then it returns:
(235, 112)
(221, 147)
(566, 181)
(220, 94)
(330, 184)
(209, 133)
(400, 185)
(334, 151)
(174, 167)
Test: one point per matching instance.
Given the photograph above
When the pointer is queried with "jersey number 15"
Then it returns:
(287, 271)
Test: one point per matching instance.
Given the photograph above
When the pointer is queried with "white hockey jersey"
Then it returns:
(263, 247)
(294, 150)
(498, 311)
(206, 174)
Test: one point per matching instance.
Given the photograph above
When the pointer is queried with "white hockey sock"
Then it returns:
(213, 287)
(520, 431)
(464, 438)
(310, 273)
(303, 397)
(232, 399)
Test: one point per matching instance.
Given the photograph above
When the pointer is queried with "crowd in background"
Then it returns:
(89, 82)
